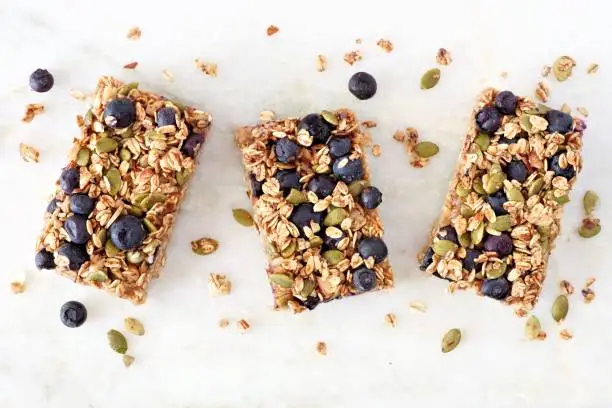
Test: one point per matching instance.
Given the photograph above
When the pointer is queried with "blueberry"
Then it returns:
(119, 113)
(373, 246)
(553, 164)
(256, 186)
(496, 201)
(370, 198)
(166, 116)
(44, 259)
(321, 185)
(496, 288)
(469, 262)
(127, 232)
(191, 145)
(316, 127)
(288, 179)
(303, 214)
(73, 314)
(81, 204)
(76, 254)
(505, 102)
(348, 170)
(558, 121)
(362, 85)
(332, 243)
(501, 244)
(311, 302)
(339, 146)
(69, 180)
(41, 80)
(52, 205)
(488, 119)
(76, 228)
(427, 259)
(364, 279)
(448, 233)
(286, 150)
(516, 170)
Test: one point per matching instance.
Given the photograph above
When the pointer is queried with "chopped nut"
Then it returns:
(376, 150)
(592, 68)
(131, 65)
(272, 30)
(542, 91)
(134, 33)
(400, 136)
(267, 116)
(369, 123)
(589, 282)
(566, 334)
(209, 69)
(385, 45)
(78, 95)
(443, 57)
(322, 348)
(417, 307)
(390, 319)
(583, 111)
(219, 284)
(243, 325)
(546, 71)
(223, 323)
(168, 75)
(32, 110)
(352, 57)
(18, 287)
(566, 287)
(28, 153)
(321, 63)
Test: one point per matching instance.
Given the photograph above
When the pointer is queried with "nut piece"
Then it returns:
(243, 325)
(542, 91)
(131, 65)
(28, 153)
(322, 348)
(443, 57)
(18, 287)
(385, 45)
(219, 284)
(223, 323)
(208, 68)
(352, 57)
(417, 307)
(32, 110)
(271, 30)
(390, 319)
(321, 63)
(566, 334)
(204, 246)
(133, 326)
(134, 33)
(566, 287)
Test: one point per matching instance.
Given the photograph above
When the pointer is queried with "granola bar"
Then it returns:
(504, 205)
(115, 203)
(314, 207)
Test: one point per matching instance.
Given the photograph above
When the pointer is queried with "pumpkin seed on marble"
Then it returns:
(589, 228)
(514, 194)
(114, 179)
(296, 197)
(482, 140)
(281, 280)
(333, 256)
(535, 187)
(356, 186)
(590, 201)
(83, 157)
(430, 78)
(204, 246)
(98, 276)
(451, 340)
(335, 217)
(442, 247)
(125, 154)
(426, 149)
(149, 225)
(289, 249)
(135, 257)
(128, 360)
(502, 223)
(308, 287)
(497, 270)
(465, 240)
(532, 327)
(133, 326)
(243, 217)
(117, 341)
(478, 233)
(560, 308)
(330, 117)
(106, 145)
(466, 211)
(125, 89)
(562, 68)
(110, 249)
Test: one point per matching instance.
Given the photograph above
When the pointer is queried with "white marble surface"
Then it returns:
(185, 360)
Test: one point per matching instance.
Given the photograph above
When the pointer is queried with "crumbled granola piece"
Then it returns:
(583, 111)
(386, 45)
(219, 284)
(266, 116)
(243, 326)
(134, 33)
(565, 334)
(566, 287)
(321, 63)
(18, 287)
(546, 71)
(418, 307)
(390, 319)
(209, 69)
(32, 110)
(589, 282)
(542, 91)
(369, 123)
(588, 294)
(542, 336)
(352, 57)
(271, 30)
(223, 323)
(358, 41)
(593, 68)
(168, 75)
(78, 95)
(322, 348)
(28, 153)
(376, 150)
(131, 65)
(400, 136)
(443, 57)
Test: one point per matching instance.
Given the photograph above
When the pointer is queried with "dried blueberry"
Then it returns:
(119, 113)
(373, 246)
(52, 205)
(76, 255)
(73, 314)
(41, 80)
(256, 186)
(316, 127)
(286, 150)
(427, 259)
(516, 170)
(496, 201)
(505, 102)
(127, 232)
(44, 259)
(448, 233)
(303, 214)
(364, 279)
(69, 180)
(488, 119)
(496, 288)
(321, 185)
(339, 146)
(311, 302)
(501, 244)
(348, 170)
(81, 204)
(553, 164)
(288, 179)
(362, 85)
(191, 145)
(469, 262)
(166, 116)
(558, 121)
(370, 198)
(76, 228)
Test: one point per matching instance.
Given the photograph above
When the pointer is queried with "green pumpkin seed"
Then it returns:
(125, 89)
(482, 140)
(532, 327)
(477, 186)
(335, 217)
(281, 280)
(243, 217)
(430, 78)
(525, 123)
(562, 68)
(465, 240)
(426, 149)
(271, 250)
(540, 109)
(451, 340)
(492, 182)
(133, 326)
(139, 197)
(100, 237)
(498, 270)
(356, 186)
(125, 154)
(543, 230)
(98, 276)
(110, 249)
(316, 241)
(128, 360)
(135, 211)
(149, 225)
(125, 133)
(296, 197)
(442, 247)
(117, 341)
(283, 299)
(182, 177)
(466, 211)
(560, 308)
(150, 200)
(289, 249)
(461, 190)
(114, 179)
(204, 246)
(135, 257)
(83, 157)
(309, 286)
(535, 187)
(88, 119)
(477, 234)
(330, 117)
(106, 145)
(590, 201)
(502, 223)
(564, 199)
(514, 194)
(589, 229)
(333, 256)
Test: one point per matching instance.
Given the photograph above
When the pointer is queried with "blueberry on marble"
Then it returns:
(362, 85)
(553, 164)
(448, 233)
(127, 232)
(322, 185)
(52, 205)
(496, 201)
(348, 170)
(311, 302)
(82, 204)
(76, 228)
(558, 121)
(44, 259)
(69, 180)
(516, 170)
(119, 113)
(469, 262)
(73, 314)
(288, 179)
(370, 197)
(332, 243)
(496, 288)
(339, 146)
(303, 214)
(505, 102)
(374, 247)
(286, 150)
(488, 119)
(256, 186)
(41, 80)
(76, 255)
(364, 279)
(316, 127)
(427, 259)
(191, 145)
(166, 116)
(501, 244)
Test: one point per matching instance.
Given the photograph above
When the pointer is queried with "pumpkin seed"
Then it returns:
(149, 225)
(482, 140)
(356, 186)
(133, 326)
(540, 109)
(83, 157)
(492, 182)
(532, 327)
(100, 238)
(562, 68)
(135, 211)
(330, 117)
(535, 187)
(560, 308)
(125, 133)
(135, 257)
(125, 89)
(543, 230)
(333, 256)
(128, 360)
(117, 341)
(281, 280)
(283, 299)
(514, 194)
(426, 149)
(296, 197)
(316, 241)
(478, 233)
(461, 190)
(204, 246)
(564, 199)
(88, 119)
(125, 154)
(502, 223)
(335, 217)
(590, 201)
(309, 286)
(477, 186)
(525, 123)
(430, 78)
(466, 211)
(106, 145)
(243, 217)
(465, 240)
(289, 250)
(497, 270)
(110, 249)
(451, 340)
(589, 228)
(114, 179)
(98, 276)
(442, 247)
(151, 199)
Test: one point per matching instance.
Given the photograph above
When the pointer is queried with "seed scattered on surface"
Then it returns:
(590, 201)
(243, 217)
(204, 246)
(386, 45)
(117, 341)
(223, 323)
(18, 287)
(219, 284)
(592, 68)
(28, 153)
(243, 326)
(322, 348)
(271, 30)
(583, 111)
(566, 287)
(31, 111)
(128, 360)
(562, 68)
(207, 68)
(417, 307)
(430, 78)
(565, 334)
(546, 70)
(133, 326)
(369, 123)
(590, 227)
(78, 95)
(134, 33)
(451, 340)
(426, 149)
(352, 57)
(321, 63)
(168, 75)
(131, 65)
(443, 57)
(532, 328)
(560, 308)
(390, 319)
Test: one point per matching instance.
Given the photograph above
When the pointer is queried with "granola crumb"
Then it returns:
(271, 30)
(78, 95)
(219, 284)
(266, 116)
(322, 348)
(28, 153)
(376, 150)
(541, 336)
(390, 319)
(592, 68)
(32, 110)
(443, 57)
(565, 334)
(417, 307)
(589, 282)
(134, 33)
(352, 57)
(542, 91)
(168, 75)
(588, 294)
(321, 63)
(521, 312)
(566, 287)
(208, 68)
(504, 75)
(400, 136)
(131, 65)
(369, 123)
(18, 287)
(546, 71)
(358, 41)
(583, 111)
(386, 45)
(243, 325)
(223, 323)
